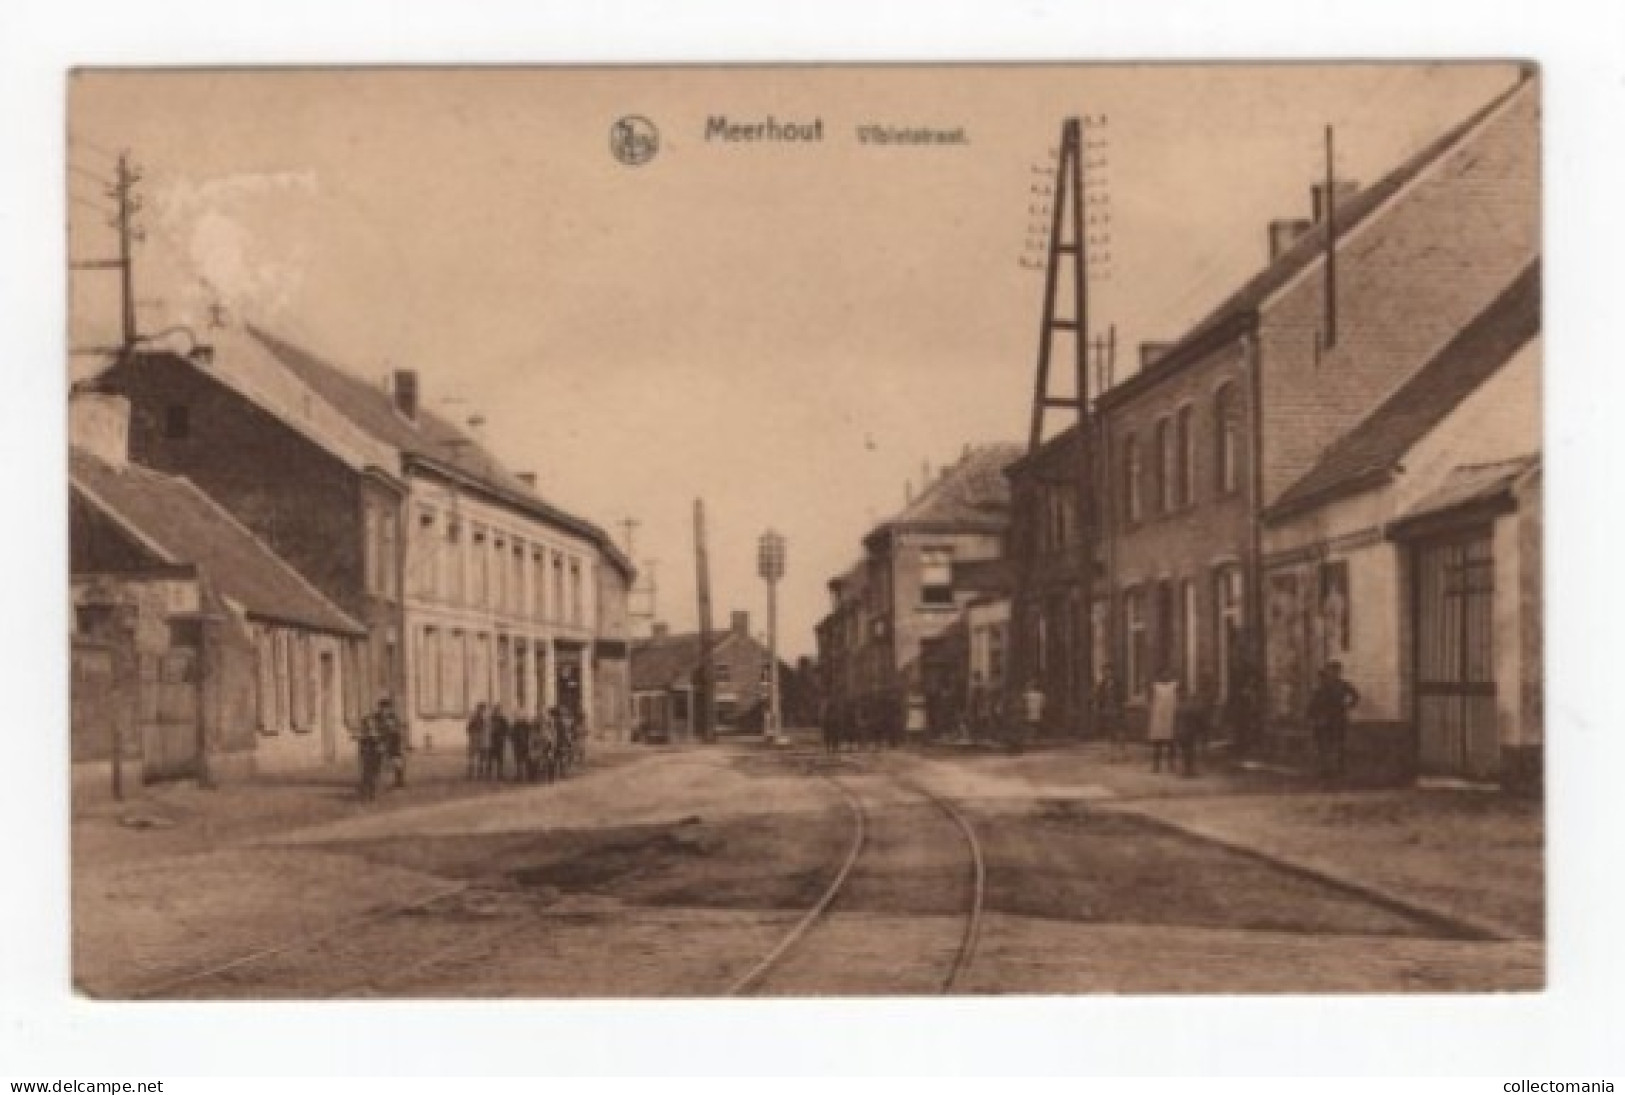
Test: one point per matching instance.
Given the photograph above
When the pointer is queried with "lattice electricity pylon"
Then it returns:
(1069, 240)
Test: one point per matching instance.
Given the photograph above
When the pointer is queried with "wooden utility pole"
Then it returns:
(704, 695)
(126, 204)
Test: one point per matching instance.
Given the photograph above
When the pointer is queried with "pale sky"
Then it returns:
(787, 331)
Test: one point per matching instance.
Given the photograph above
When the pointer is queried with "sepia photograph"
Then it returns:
(817, 530)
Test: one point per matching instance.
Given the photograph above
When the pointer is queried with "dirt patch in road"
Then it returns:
(1069, 861)
(751, 862)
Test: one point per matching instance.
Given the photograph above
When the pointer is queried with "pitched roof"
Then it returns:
(665, 661)
(1367, 455)
(184, 525)
(1469, 485)
(430, 440)
(973, 495)
(1350, 213)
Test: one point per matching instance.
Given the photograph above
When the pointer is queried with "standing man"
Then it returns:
(1329, 709)
(1194, 721)
(499, 740)
(1109, 710)
(370, 755)
(478, 741)
(392, 739)
(1032, 713)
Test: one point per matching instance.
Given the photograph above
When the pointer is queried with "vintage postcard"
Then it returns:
(821, 530)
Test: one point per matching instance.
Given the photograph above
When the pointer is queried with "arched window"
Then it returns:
(1184, 459)
(1226, 441)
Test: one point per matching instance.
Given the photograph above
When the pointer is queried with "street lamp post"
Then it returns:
(770, 565)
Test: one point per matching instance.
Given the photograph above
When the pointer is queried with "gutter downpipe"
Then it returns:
(1257, 652)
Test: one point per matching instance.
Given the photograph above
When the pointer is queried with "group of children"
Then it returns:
(381, 740)
(543, 748)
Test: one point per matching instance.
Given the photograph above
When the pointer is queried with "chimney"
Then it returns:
(659, 630)
(528, 478)
(1344, 189)
(1284, 233)
(405, 390)
(99, 423)
(741, 622)
(1151, 352)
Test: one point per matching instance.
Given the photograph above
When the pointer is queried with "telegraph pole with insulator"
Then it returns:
(770, 566)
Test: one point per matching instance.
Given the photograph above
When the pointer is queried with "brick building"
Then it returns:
(473, 587)
(1215, 427)
(195, 647)
(665, 671)
(904, 590)
(1410, 553)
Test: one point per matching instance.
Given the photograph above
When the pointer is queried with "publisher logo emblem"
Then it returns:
(634, 140)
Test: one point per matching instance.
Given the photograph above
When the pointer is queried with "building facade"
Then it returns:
(665, 672)
(472, 587)
(197, 651)
(1194, 447)
(1410, 555)
(904, 590)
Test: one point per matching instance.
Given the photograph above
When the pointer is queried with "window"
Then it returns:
(937, 577)
(723, 673)
(1165, 629)
(1188, 632)
(499, 573)
(1137, 648)
(538, 584)
(575, 591)
(369, 548)
(767, 675)
(451, 562)
(454, 674)
(385, 561)
(1227, 614)
(995, 657)
(177, 422)
(426, 559)
(1184, 472)
(429, 664)
(1162, 465)
(481, 593)
(1226, 441)
(516, 593)
(558, 586)
(1133, 476)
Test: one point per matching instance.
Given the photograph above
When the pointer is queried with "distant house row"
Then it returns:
(1306, 476)
(392, 556)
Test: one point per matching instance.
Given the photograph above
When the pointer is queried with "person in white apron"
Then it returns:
(1160, 725)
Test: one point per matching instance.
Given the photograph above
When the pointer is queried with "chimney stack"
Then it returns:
(1344, 189)
(741, 622)
(99, 423)
(1286, 232)
(528, 478)
(405, 390)
(1151, 352)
